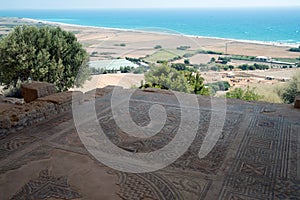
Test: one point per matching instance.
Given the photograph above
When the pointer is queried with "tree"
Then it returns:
(42, 54)
(212, 60)
(295, 49)
(225, 67)
(293, 89)
(218, 86)
(165, 77)
(179, 66)
(224, 60)
(246, 95)
(196, 83)
(231, 67)
(186, 61)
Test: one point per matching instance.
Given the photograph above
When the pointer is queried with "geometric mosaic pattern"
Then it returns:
(150, 185)
(46, 186)
(262, 162)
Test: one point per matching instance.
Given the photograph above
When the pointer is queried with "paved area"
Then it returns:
(257, 155)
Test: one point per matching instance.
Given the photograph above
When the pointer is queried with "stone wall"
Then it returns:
(17, 117)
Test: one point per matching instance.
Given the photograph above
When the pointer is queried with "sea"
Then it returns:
(278, 25)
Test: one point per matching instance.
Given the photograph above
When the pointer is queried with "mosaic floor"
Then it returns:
(256, 156)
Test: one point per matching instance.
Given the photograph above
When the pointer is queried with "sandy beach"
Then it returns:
(139, 43)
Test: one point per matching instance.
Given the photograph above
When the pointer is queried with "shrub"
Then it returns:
(246, 95)
(292, 90)
(183, 48)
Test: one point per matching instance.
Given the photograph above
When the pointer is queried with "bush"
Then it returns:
(183, 48)
(218, 86)
(179, 66)
(139, 70)
(231, 67)
(120, 45)
(186, 61)
(126, 69)
(246, 95)
(188, 55)
(165, 77)
(224, 60)
(214, 68)
(253, 67)
(295, 49)
(293, 89)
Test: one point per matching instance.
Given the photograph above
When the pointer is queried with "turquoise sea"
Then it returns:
(280, 25)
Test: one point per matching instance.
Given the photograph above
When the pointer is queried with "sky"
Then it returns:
(80, 4)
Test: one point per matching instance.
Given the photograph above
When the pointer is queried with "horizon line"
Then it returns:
(149, 8)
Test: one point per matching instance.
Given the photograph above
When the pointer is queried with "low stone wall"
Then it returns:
(17, 117)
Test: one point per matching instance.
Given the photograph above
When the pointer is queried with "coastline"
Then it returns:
(268, 43)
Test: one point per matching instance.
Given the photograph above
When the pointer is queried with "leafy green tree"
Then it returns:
(231, 67)
(179, 66)
(42, 54)
(295, 49)
(218, 86)
(244, 67)
(197, 84)
(187, 61)
(247, 95)
(224, 60)
(293, 89)
(225, 67)
(139, 70)
(237, 93)
(165, 77)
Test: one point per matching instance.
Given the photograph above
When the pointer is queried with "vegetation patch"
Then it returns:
(247, 94)
(47, 54)
(297, 49)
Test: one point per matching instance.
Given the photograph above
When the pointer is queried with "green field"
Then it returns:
(167, 54)
(291, 60)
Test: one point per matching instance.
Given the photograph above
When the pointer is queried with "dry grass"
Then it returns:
(269, 92)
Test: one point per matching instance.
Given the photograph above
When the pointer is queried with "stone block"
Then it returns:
(35, 90)
(63, 98)
(297, 102)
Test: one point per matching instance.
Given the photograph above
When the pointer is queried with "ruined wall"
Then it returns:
(16, 117)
